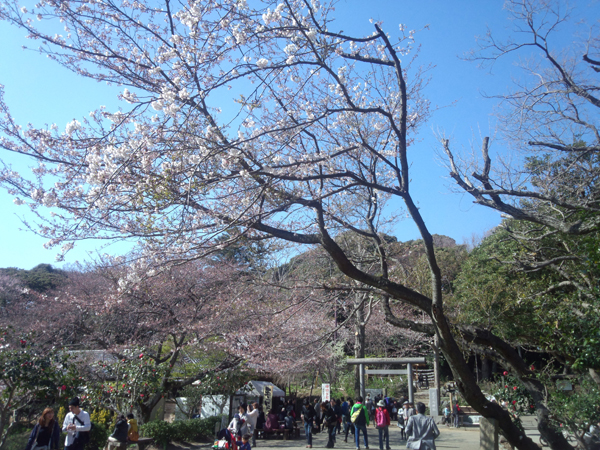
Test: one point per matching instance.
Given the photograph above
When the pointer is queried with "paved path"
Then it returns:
(450, 438)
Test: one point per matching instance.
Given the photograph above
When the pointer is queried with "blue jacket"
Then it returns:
(54, 438)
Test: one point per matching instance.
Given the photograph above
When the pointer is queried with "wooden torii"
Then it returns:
(377, 361)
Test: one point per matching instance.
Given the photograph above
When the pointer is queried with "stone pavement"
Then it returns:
(450, 438)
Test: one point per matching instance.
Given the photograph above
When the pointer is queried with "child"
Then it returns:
(133, 435)
(245, 443)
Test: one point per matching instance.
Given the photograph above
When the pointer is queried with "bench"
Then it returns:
(468, 416)
(141, 443)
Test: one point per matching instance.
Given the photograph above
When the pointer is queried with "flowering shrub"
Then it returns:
(123, 385)
(514, 393)
(182, 430)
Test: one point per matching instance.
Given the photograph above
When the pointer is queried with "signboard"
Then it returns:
(433, 402)
(268, 399)
(325, 392)
(564, 385)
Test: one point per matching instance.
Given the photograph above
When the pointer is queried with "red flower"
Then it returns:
(123, 385)
(514, 388)
(63, 388)
(506, 386)
(531, 406)
(23, 342)
(141, 395)
(505, 373)
(514, 402)
(532, 368)
(141, 355)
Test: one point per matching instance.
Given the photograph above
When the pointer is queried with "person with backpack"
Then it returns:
(382, 422)
(308, 416)
(359, 416)
(133, 434)
(77, 425)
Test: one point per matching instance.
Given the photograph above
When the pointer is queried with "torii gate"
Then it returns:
(376, 361)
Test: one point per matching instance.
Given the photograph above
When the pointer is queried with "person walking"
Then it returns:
(360, 417)
(421, 430)
(77, 425)
(308, 416)
(46, 433)
(349, 425)
(382, 422)
(330, 420)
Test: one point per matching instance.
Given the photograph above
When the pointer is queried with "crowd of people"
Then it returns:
(336, 417)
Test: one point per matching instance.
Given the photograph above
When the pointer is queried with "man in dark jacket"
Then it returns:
(330, 420)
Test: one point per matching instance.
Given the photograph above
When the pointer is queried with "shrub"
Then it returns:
(17, 438)
(181, 430)
(98, 436)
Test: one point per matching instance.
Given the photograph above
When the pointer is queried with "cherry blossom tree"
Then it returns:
(253, 115)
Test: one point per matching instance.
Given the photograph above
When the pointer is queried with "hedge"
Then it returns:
(181, 430)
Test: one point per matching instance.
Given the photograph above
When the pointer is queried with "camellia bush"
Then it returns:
(31, 376)
(124, 385)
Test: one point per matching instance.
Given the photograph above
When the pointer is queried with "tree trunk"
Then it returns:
(359, 343)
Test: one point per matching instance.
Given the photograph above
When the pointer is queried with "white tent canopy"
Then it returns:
(257, 389)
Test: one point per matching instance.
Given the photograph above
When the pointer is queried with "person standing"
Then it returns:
(252, 419)
(421, 430)
(337, 407)
(369, 405)
(382, 421)
(45, 434)
(361, 421)
(76, 423)
(308, 416)
(456, 414)
(318, 419)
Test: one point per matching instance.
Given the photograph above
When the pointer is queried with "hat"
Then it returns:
(381, 403)
(405, 403)
(74, 401)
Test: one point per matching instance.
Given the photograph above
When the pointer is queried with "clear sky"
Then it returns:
(40, 91)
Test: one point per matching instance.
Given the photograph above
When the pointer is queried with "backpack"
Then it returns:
(356, 414)
(83, 437)
(380, 419)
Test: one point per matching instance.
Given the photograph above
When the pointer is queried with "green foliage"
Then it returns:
(104, 417)
(60, 415)
(98, 437)
(32, 376)
(182, 430)
(127, 382)
(575, 410)
(17, 438)
(551, 307)
(41, 278)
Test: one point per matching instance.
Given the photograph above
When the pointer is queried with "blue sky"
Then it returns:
(40, 91)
